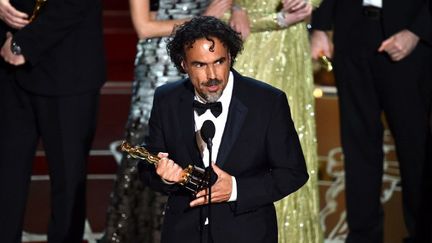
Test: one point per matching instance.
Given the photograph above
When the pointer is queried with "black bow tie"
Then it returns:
(215, 108)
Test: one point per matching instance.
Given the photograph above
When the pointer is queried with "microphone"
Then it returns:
(207, 132)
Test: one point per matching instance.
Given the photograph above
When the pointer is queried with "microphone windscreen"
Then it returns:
(208, 130)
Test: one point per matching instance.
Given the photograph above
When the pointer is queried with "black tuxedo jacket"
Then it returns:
(260, 147)
(63, 47)
(344, 15)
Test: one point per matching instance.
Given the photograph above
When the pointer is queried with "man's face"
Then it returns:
(208, 64)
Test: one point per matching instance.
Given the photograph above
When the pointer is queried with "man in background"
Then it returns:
(51, 69)
(381, 65)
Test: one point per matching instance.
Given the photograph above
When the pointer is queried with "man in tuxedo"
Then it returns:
(51, 71)
(256, 152)
(381, 65)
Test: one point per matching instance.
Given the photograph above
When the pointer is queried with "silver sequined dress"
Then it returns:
(135, 213)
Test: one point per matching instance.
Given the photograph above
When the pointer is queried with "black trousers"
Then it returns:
(65, 126)
(425, 232)
(369, 83)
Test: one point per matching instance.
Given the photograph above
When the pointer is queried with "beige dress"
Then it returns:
(281, 57)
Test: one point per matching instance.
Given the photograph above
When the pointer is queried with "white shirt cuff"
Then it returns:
(233, 196)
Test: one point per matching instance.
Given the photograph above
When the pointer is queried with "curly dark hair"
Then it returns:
(202, 27)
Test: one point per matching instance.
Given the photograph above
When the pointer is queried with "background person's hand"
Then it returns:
(399, 45)
(217, 8)
(298, 15)
(320, 45)
(7, 55)
(11, 16)
(239, 21)
(293, 5)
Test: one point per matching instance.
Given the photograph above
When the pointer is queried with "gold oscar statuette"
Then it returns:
(326, 63)
(38, 6)
(194, 178)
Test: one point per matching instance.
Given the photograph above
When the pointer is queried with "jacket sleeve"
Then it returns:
(322, 17)
(56, 20)
(263, 22)
(285, 158)
(422, 24)
(268, 21)
(155, 144)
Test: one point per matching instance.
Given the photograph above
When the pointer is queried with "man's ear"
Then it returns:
(183, 65)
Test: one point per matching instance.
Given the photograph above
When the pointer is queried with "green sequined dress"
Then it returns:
(281, 57)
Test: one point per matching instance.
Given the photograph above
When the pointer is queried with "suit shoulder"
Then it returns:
(172, 88)
(258, 87)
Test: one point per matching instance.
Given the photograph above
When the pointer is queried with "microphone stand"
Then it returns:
(210, 172)
(207, 133)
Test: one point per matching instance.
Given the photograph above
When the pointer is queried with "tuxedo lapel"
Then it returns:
(187, 124)
(236, 117)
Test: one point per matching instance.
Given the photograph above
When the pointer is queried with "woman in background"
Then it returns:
(135, 213)
(277, 51)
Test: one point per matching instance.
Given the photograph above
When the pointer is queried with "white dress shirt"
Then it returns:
(219, 122)
(374, 3)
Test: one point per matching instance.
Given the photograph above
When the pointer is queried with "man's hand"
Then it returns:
(217, 8)
(239, 21)
(11, 16)
(220, 191)
(320, 44)
(399, 45)
(7, 54)
(168, 170)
